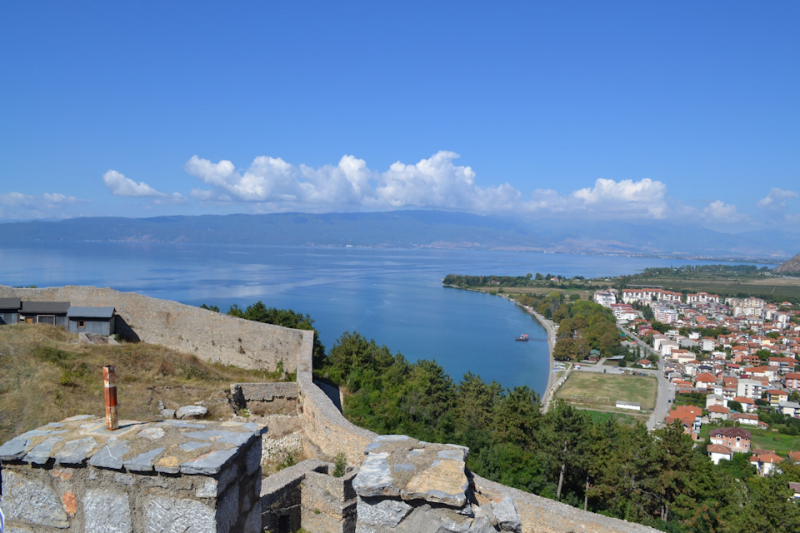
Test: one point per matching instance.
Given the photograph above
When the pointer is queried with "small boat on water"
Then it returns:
(523, 337)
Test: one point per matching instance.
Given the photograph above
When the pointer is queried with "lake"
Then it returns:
(393, 296)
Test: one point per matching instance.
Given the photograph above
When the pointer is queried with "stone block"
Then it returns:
(382, 512)
(106, 511)
(30, 500)
(75, 451)
(174, 515)
(191, 412)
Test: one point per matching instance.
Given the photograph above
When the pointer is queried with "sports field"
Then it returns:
(596, 389)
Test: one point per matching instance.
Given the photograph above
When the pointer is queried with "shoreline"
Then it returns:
(549, 327)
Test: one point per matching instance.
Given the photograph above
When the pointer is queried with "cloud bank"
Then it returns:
(16, 205)
(438, 182)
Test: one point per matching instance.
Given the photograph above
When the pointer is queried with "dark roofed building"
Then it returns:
(53, 313)
(9, 310)
(99, 320)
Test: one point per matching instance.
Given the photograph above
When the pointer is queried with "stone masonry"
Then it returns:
(171, 476)
(200, 476)
(266, 398)
(208, 335)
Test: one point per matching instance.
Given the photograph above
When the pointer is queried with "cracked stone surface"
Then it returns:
(169, 446)
(106, 512)
(29, 500)
(397, 465)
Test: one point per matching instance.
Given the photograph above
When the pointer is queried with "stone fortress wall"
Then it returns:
(208, 335)
(218, 337)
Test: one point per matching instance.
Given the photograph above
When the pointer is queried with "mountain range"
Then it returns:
(417, 229)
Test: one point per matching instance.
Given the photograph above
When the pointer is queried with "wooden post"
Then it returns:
(110, 383)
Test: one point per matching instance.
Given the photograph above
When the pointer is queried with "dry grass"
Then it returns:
(46, 376)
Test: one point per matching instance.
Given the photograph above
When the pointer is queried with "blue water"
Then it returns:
(393, 296)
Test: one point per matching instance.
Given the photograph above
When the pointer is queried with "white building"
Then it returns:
(605, 298)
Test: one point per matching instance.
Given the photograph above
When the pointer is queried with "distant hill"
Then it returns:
(791, 266)
(415, 229)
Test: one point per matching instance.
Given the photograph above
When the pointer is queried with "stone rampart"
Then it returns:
(208, 335)
(324, 424)
(540, 515)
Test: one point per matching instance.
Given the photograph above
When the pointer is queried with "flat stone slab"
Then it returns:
(169, 446)
(397, 465)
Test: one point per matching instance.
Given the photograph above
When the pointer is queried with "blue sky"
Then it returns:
(631, 110)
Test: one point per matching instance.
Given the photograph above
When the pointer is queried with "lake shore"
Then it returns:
(549, 326)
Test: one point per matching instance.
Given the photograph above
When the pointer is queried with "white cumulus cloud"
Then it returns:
(119, 185)
(607, 199)
(776, 199)
(431, 183)
(719, 211)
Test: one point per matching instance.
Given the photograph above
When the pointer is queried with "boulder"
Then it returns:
(191, 411)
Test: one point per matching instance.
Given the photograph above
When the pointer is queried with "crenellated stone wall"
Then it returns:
(208, 335)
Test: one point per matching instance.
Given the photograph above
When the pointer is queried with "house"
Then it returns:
(708, 344)
(53, 313)
(794, 457)
(737, 439)
(749, 388)
(784, 364)
(745, 419)
(796, 488)
(776, 396)
(718, 452)
(789, 408)
(645, 363)
(99, 320)
(690, 418)
(719, 412)
(792, 380)
(605, 298)
(705, 381)
(715, 399)
(9, 310)
(765, 461)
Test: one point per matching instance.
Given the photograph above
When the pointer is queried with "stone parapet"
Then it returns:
(143, 478)
(324, 424)
(541, 515)
(208, 335)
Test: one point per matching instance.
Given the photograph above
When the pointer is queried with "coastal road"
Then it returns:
(666, 390)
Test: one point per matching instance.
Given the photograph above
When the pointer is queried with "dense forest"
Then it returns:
(661, 479)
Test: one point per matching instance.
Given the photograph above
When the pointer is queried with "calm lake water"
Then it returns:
(393, 296)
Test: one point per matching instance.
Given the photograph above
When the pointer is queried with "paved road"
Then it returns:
(666, 390)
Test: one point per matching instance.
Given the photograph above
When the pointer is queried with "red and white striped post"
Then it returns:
(110, 383)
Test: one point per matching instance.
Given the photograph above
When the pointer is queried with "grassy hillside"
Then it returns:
(46, 376)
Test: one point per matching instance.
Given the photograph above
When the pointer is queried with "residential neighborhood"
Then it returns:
(731, 363)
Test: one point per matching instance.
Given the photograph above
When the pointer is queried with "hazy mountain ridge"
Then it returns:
(790, 266)
(414, 229)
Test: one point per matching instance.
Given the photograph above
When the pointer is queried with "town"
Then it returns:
(729, 365)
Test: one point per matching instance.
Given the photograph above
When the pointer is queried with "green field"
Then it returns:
(772, 440)
(596, 389)
(622, 418)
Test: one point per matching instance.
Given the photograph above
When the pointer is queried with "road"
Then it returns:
(666, 390)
